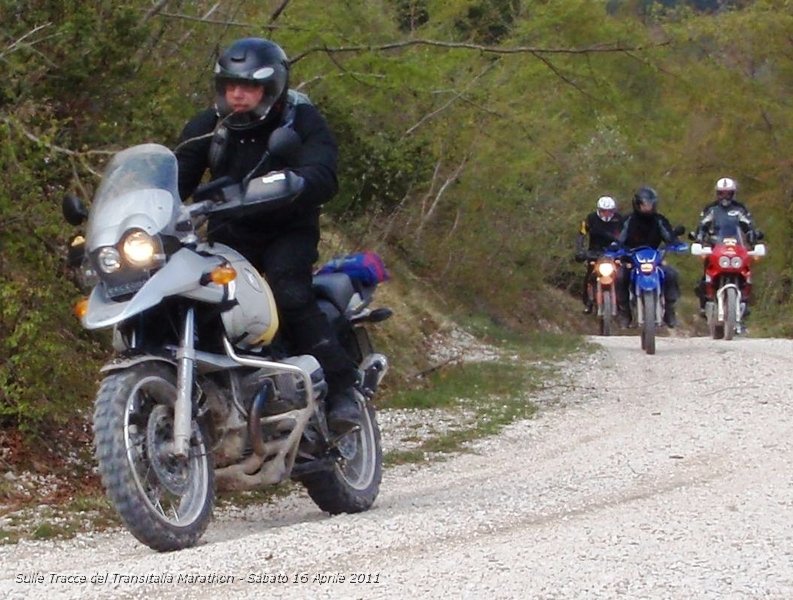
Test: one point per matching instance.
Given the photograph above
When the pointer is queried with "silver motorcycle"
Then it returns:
(203, 393)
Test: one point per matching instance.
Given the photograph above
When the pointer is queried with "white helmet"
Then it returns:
(606, 207)
(725, 184)
(725, 190)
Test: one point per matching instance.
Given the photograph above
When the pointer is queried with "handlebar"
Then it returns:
(268, 192)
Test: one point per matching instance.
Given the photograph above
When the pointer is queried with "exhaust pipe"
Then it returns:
(264, 396)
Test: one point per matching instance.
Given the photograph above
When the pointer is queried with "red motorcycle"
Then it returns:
(728, 279)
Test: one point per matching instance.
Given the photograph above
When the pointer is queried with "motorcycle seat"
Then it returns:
(334, 287)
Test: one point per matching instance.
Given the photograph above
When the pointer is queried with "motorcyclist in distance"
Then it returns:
(252, 99)
(602, 226)
(645, 226)
(724, 207)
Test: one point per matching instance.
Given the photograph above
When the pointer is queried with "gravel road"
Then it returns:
(665, 476)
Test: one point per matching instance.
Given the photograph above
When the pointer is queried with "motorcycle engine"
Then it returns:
(290, 391)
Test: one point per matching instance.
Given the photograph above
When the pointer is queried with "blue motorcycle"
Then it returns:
(647, 289)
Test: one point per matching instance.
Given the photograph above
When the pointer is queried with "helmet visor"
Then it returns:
(267, 85)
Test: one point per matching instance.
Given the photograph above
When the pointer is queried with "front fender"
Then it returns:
(650, 282)
(206, 362)
(124, 362)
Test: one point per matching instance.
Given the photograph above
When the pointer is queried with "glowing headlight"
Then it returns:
(724, 262)
(109, 260)
(139, 248)
(736, 262)
(646, 267)
(606, 269)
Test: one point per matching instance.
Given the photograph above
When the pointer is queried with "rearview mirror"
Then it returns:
(74, 210)
(285, 143)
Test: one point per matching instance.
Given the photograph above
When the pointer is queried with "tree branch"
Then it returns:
(433, 207)
(19, 42)
(602, 48)
(154, 10)
(206, 19)
(53, 147)
(277, 12)
(451, 101)
(561, 76)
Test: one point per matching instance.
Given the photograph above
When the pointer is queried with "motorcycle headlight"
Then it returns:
(724, 262)
(606, 269)
(646, 267)
(139, 248)
(736, 262)
(109, 259)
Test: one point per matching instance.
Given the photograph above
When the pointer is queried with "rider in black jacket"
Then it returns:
(646, 227)
(602, 226)
(230, 139)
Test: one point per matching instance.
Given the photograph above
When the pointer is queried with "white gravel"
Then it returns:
(665, 476)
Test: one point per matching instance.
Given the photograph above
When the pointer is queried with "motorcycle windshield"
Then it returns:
(139, 190)
(728, 229)
(645, 254)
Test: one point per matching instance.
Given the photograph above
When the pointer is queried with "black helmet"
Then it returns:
(258, 61)
(645, 196)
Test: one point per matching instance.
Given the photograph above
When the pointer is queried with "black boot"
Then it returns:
(669, 316)
(623, 317)
(344, 411)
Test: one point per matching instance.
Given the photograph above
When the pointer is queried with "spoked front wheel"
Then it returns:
(165, 501)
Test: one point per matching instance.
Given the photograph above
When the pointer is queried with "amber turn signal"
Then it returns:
(223, 274)
(80, 308)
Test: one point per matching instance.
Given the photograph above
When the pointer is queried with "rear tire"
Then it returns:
(164, 502)
(352, 484)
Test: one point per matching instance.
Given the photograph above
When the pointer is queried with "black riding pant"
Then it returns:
(287, 261)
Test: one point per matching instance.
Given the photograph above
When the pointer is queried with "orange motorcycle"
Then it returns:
(601, 289)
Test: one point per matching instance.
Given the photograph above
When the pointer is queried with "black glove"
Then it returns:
(580, 256)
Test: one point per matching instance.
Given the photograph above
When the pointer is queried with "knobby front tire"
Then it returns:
(164, 502)
(648, 329)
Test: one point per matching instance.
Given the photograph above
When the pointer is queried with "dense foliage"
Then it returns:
(475, 134)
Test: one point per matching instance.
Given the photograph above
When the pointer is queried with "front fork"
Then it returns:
(185, 368)
(638, 303)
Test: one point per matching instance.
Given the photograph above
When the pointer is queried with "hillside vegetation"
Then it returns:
(475, 134)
